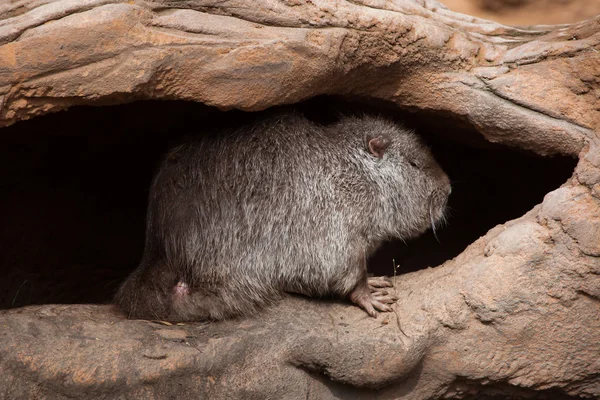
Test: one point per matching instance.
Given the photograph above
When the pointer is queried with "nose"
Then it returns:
(445, 180)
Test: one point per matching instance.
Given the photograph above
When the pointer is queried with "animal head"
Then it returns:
(410, 188)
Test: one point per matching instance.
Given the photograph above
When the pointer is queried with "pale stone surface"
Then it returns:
(518, 312)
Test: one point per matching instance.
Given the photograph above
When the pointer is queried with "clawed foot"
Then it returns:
(372, 297)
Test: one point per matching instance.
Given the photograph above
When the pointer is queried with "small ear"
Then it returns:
(378, 145)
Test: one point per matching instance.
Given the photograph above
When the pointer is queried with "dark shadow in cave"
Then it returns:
(73, 188)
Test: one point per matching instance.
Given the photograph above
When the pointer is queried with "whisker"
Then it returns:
(432, 220)
(17, 294)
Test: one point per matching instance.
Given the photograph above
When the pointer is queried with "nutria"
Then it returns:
(238, 218)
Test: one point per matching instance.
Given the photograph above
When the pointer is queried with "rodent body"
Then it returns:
(284, 205)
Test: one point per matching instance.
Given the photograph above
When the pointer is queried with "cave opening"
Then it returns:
(74, 188)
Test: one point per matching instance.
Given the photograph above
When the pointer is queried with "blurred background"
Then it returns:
(527, 12)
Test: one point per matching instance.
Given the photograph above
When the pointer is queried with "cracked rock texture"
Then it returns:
(516, 314)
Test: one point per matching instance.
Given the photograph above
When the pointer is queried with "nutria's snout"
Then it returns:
(438, 202)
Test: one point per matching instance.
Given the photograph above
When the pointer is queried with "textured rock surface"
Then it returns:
(504, 81)
(518, 312)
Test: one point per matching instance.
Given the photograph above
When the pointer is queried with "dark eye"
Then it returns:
(414, 164)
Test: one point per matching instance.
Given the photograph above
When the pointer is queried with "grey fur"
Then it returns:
(284, 205)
